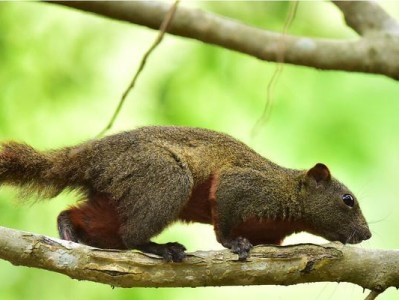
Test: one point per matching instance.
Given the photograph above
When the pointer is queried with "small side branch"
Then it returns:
(267, 265)
(367, 17)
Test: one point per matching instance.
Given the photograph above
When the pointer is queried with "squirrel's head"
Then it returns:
(330, 209)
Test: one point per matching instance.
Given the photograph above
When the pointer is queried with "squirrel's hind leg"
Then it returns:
(155, 190)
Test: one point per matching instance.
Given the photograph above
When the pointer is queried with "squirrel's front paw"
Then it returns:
(240, 246)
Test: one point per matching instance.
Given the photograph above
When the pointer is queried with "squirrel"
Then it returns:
(138, 182)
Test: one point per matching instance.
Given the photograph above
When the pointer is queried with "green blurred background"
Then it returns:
(63, 71)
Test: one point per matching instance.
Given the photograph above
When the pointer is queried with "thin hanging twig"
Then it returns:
(293, 7)
(162, 30)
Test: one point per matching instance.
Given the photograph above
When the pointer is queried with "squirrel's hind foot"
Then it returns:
(171, 252)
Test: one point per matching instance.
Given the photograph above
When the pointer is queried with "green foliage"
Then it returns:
(62, 73)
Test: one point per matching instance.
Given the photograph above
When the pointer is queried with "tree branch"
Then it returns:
(268, 265)
(376, 54)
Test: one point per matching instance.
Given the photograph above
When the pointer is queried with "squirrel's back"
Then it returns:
(94, 163)
(203, 150)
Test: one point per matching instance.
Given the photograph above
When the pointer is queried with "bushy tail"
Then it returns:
(44, 173)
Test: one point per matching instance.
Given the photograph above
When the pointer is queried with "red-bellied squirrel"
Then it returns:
(138, 182)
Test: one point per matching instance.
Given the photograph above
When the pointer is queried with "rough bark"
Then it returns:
(370, 53)
(268, 265)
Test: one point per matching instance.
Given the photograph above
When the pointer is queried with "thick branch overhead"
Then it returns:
(371, 55)
(268, 265)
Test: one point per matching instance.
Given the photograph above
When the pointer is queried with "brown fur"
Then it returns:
(213, 206)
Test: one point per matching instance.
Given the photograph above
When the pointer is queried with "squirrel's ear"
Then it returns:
(319, 172)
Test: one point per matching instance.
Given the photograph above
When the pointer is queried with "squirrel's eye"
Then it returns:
(348, 200)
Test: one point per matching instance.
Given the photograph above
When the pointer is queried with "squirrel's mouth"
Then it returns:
(356, 237)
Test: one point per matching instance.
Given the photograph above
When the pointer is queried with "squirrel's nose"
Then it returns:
(364, 233)
(367, 235)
